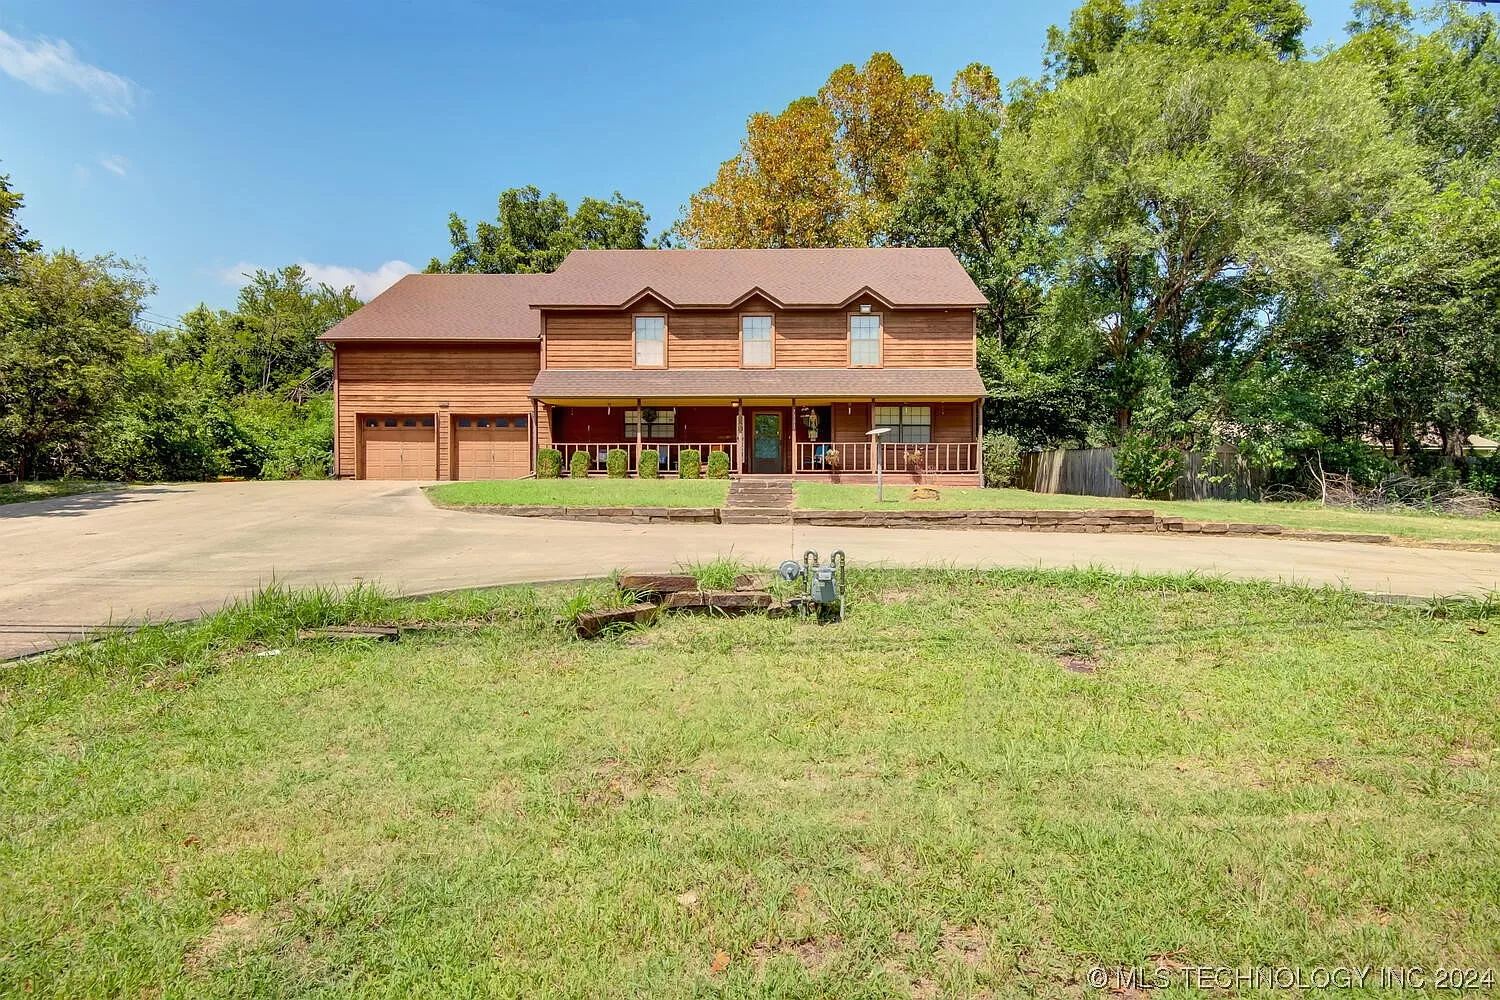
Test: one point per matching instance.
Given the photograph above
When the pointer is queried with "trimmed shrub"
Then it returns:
(649, 464)
(548, 463)
(718, 465)
(1147, 467)
(689, 464)
(1002, 460)
(617, 463)
(579, 465)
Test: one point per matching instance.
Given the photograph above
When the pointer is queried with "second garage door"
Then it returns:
(492, 447)
(403, 447)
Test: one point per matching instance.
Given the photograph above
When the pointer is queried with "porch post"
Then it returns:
(739, 436)
(874, 441)
(979, 438)
(639, 414)
(794, 436)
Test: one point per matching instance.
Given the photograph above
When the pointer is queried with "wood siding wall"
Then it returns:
(912, 338)
(395, 379)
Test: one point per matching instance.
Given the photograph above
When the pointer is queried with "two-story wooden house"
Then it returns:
(783, 359)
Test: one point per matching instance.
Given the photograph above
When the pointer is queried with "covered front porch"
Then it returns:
(824, 438)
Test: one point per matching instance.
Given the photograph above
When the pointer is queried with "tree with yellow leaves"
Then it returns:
(824, 172)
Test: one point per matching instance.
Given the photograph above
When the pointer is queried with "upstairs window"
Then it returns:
(908, 424)
(755, 341)
(864, 340)
(658, 424)
(650, 341)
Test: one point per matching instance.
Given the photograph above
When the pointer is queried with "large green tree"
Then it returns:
(66, 325)
(1191, 193)
(532, 233)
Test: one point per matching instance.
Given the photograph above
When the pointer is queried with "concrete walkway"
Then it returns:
(175, 551)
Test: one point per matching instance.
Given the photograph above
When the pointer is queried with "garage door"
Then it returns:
(491, 447)
(400, 447)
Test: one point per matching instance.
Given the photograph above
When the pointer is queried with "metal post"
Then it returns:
(879, 475)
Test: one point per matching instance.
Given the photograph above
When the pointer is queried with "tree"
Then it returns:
(1443, 87)
(66, 324)
(961, 194)
(1265, 28)
(782, 190)
(1191, 193)
(532, 234)
(826, 171)
(269, 343)
(14, 245)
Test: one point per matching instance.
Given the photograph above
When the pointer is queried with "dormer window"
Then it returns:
(755, 341)
(650, 341)
(864, 339)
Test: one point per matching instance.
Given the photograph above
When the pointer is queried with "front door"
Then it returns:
(765, 448)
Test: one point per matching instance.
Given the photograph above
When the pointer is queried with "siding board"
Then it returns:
(490, 378)
(804, 338)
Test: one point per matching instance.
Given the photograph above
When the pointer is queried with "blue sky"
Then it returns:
(204, 138)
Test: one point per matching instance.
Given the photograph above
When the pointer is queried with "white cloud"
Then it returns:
(53, 67)
(367, 284)
(115, 164)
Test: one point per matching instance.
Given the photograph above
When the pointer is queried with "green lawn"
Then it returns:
(830, 496)
(979, 785)
(49, 489)
(592, 492)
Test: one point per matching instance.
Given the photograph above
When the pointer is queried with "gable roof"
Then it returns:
(467, 307)
(901, 277)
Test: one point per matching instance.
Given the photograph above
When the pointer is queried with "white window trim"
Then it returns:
(770, 339)
(635, 339)
(879, 318)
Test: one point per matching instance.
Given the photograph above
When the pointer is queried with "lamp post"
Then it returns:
(875, 434)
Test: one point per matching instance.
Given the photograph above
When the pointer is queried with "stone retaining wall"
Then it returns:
(622, 515)
(1137, 520)
(1093, 521)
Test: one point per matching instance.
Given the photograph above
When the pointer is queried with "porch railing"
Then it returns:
(670, 453)
(859, 456)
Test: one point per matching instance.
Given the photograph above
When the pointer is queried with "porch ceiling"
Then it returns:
(714, 384)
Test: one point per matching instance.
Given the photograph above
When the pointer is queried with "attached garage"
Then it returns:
(491, 447)
(398, 447)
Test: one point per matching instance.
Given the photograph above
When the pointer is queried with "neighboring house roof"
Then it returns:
(901, 277)
(461, 307)
(716, 383)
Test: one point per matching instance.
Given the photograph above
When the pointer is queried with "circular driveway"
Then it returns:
(176, 551)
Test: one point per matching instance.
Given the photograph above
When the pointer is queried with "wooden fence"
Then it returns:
(1091, 472)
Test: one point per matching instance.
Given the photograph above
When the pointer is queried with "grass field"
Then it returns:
(980, 784)
(833, 496)
(49, 489)
(592, 492)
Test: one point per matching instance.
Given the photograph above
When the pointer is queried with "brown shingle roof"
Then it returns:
(901, 276)
(466, 307)
(718, 383)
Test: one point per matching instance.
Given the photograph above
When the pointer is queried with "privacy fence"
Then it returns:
(1091, 472)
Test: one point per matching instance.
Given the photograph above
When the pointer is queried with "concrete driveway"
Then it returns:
(175, 551)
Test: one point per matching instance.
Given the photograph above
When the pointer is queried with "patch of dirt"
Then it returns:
(968, 945)
(500, 798)
(1088, 665)
(897, 596)
(1325, 765)
(814, 954)
(1464, 757)
(233, 933)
